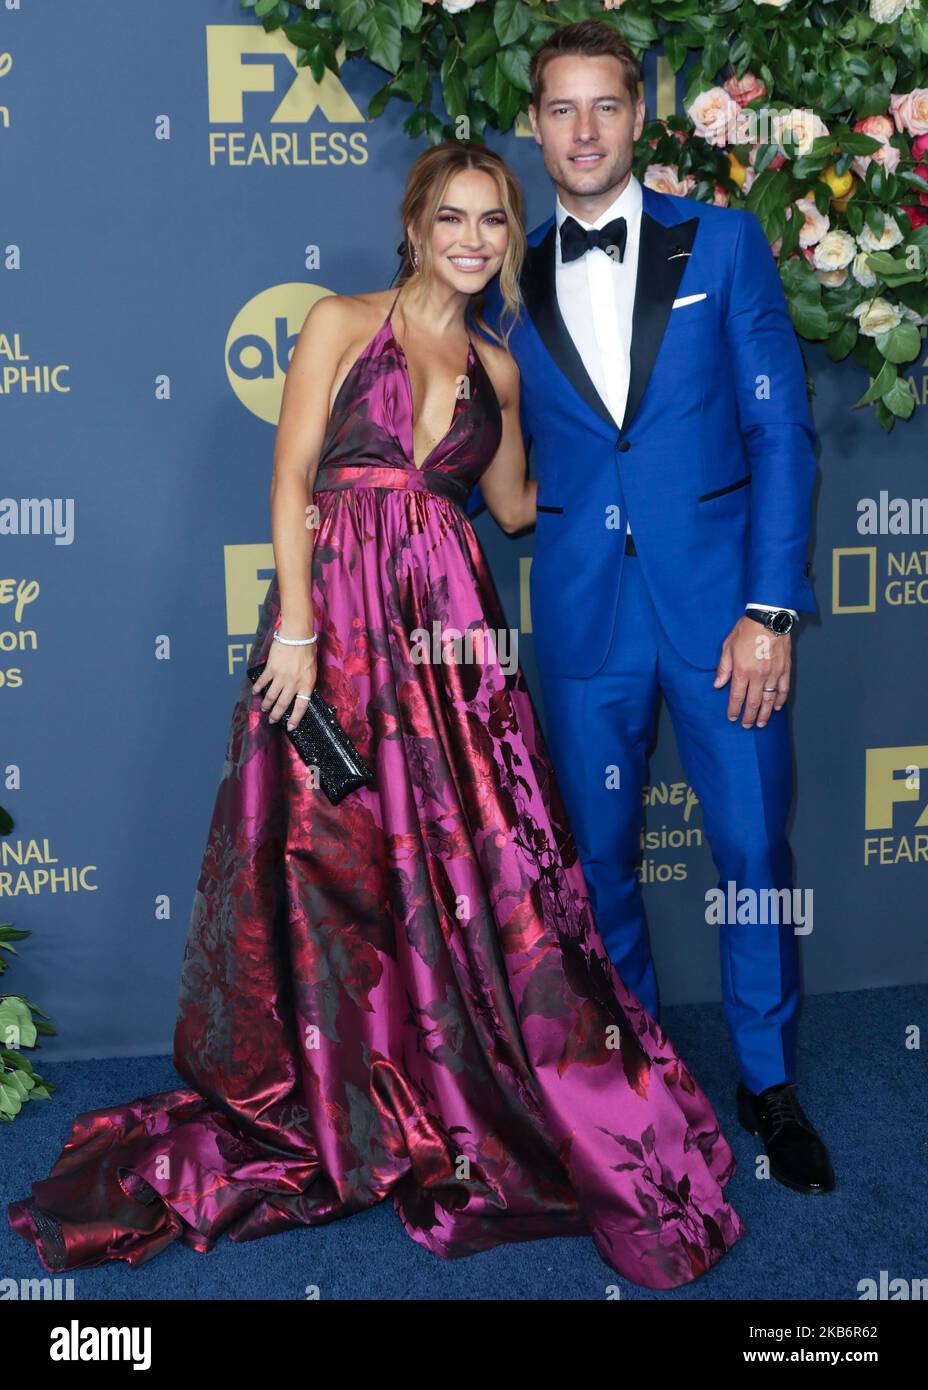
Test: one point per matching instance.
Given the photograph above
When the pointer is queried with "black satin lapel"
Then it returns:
(662, 260)
(539, 292)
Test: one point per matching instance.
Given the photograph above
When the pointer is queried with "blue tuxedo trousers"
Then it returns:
(743, 779)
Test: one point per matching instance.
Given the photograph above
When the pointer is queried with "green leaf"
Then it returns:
(855, 217)
(855, 142)
(480, 47)
(839, 344)
(454, 84)
(637, 29)
(514, 64)
(410, 13)
(875, 218)
(913, 297)
(510, 20)
(915, 180)
(885, 417)
(381, 34)
(901, 344)
(882, 382)
(768, 198)
(810, 320)
(675, 51)
(899, 399)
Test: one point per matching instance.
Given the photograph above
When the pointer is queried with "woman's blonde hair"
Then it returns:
(424, 194)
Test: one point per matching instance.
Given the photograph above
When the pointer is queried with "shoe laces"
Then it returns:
(783, 1108)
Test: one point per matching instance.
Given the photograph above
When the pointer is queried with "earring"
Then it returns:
(415, 259)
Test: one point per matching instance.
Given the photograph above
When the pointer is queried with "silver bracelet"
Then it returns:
(296, 641)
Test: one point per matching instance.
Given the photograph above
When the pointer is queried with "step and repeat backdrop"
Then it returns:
(173, 199)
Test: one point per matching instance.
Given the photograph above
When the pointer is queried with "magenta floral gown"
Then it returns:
(404, 995)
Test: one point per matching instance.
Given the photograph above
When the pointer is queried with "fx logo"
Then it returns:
(242, 58)
(248, 571)
(894, 775)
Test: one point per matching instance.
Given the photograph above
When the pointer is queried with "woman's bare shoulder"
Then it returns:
(348, 312)
(336, 323)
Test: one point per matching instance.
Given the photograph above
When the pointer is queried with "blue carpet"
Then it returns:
(861, 1087)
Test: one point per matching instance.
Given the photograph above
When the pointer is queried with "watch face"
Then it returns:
(781, 622)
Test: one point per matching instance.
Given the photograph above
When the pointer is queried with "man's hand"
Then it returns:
(755, 658)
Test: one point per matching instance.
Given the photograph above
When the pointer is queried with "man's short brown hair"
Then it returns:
(589, 38)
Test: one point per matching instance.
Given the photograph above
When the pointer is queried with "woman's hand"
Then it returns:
(289, 670)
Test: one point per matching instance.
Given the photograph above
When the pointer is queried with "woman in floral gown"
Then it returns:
(404, 994)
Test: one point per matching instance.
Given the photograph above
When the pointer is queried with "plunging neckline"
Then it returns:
(468, 372)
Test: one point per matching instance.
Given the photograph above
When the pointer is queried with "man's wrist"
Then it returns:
(774, 608)
(780, 621)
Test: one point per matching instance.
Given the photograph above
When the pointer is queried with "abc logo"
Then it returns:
(260, 341)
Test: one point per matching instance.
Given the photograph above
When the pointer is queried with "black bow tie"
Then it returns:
(575, 240)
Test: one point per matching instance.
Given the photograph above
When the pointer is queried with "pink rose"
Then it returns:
(910, 111)
(745, 89)
(919, 146)
(720, 196)
(880, 128)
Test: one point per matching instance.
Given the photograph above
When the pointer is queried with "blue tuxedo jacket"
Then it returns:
(713, 464)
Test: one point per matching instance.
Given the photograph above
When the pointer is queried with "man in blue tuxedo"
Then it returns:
(664, 394)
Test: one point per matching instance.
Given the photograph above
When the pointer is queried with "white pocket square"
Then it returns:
(687, 299)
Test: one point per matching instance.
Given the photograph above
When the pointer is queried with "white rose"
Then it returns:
(802, 124)
(815, 223)
(913, 315)
(891, 236)
(832, 278)
(456, 6)
(876, 316)
(776, 4)
(885, 11)
(715, 116)
(835, 251)
(862, 272)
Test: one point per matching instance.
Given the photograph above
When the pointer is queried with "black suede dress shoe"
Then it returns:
(798, 1158)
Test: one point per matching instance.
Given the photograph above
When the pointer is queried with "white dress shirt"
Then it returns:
(596, 297)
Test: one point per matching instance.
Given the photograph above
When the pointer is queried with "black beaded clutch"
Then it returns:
(322, 742)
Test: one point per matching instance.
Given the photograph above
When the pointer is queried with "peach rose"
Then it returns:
(814, 226)
(665, 178)
(910, 111)
(720, 196)
(803, 125)
(715, 116)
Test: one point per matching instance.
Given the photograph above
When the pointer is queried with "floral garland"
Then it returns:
(811, 113)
